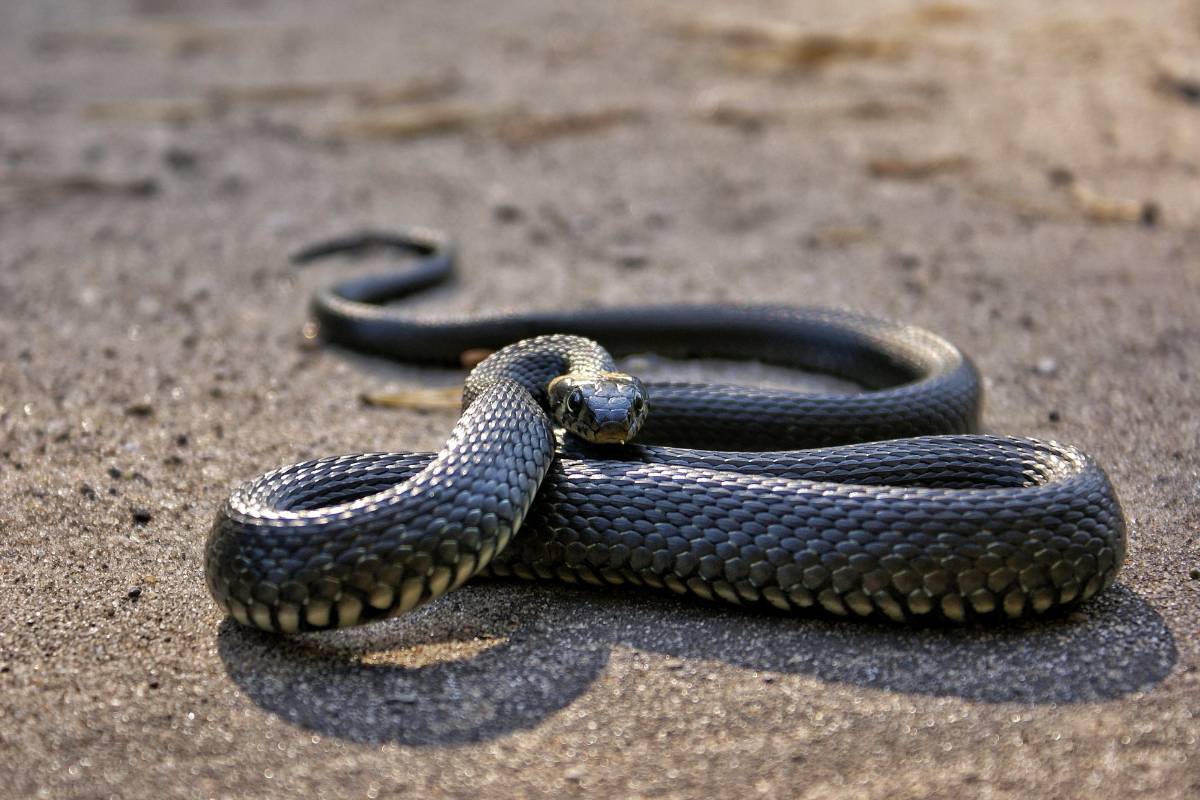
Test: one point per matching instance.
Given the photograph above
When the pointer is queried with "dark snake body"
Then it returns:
(949, 525)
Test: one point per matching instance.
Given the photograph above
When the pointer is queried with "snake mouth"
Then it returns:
(611, 433)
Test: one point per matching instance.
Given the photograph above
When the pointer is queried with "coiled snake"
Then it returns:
(947, 525)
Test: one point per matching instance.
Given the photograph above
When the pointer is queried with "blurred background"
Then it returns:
(1020, 177)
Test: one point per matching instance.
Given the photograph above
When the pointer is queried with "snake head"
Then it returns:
(605, 408)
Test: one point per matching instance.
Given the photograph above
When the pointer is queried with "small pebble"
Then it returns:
(507, 212)
(115, 473)
(232, 185)
(134, 592)
(658, 219)
(140, 409)
(1195, 574)
(1054, 416)
(180, 159)
(1060, 176)
(181, 440)
(631, 258)
(142, 515)
(1046, 366)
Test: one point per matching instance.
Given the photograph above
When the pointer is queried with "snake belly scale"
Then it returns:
(882, 504)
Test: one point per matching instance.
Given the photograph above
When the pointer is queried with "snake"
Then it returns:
(881, 504)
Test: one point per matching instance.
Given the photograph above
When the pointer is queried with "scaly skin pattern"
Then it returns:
(336, 542)
(951, 527)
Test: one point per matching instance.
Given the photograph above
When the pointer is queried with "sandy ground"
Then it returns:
(1019, 177)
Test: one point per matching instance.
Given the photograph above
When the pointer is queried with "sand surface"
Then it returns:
(1021, 177)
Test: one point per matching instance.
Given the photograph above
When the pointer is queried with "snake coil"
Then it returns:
(877, 504)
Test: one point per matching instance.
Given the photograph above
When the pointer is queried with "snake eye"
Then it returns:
(575, 400)
(638, 405)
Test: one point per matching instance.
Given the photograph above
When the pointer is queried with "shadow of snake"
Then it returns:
(532, 649)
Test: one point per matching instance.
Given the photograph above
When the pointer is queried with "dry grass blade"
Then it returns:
(181, 39)
(731, 32)
(870, 110)
(408, 124)
(841, 235)
(766, 48)
(808, 51)
(1082, 201)
(415, 399)
(171, 112)
(1098, 208)
(916, 168)
(419, 90)
(945, 14)
(45, 188)
(751, 119)
(519, 130)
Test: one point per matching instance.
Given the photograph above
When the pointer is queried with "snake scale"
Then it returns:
(879, 504)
